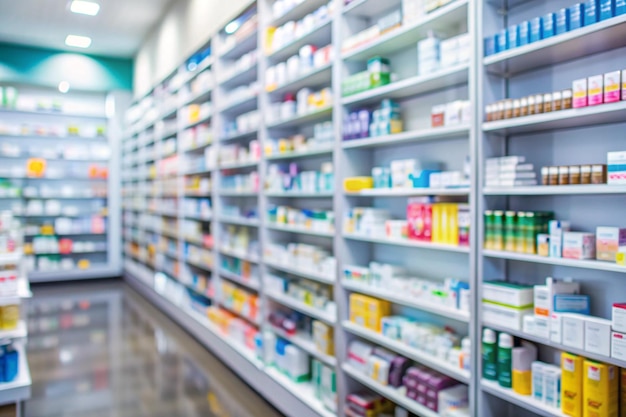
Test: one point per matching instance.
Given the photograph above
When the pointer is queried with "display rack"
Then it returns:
(241, 225)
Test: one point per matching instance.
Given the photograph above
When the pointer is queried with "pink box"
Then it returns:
(579, 88)
(577, 245)
(595, 90)
(419, 218)
(612, 86)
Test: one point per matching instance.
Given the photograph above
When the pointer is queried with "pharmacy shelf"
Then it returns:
(524, 401)
(241, 46)
(315, 77)
(598, 37)
(242, 105)
(241, 221)
(572, 263)
(250, 283)
(199, 265)
(198, 97)
(227, 193)
(409, 192)
(73, 253)
(198, 218)
(294, 304)
(255, 321)
(307, 344)
(202, 119)
(59, 113)
(63, 197)
(239, 255)
(300, 154)
(409, 352)
(205, 64)
(393, 394)
(20, 389)
(241, 77)
(198, 147)
(367, 8)
(312, 117)
(563, 119)
(239, 165)
(412, 86)
(547, 342)
(298, 194)
(297, 12)
(298, 230)
(438, 21)
(319, 35)
(304, 391)
(407, 242)
(19, 332)
(240, 135)
(413, 302)
(11, 257)
(23, 291)
(413, 136)
(589, 189)
(197, 194)
(304, 273)
(86, 233)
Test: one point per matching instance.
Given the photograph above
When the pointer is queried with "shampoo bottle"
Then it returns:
(489, 351)
(505, 360)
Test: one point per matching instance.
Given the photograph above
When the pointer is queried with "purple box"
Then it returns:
(397, 369)
(412, 394)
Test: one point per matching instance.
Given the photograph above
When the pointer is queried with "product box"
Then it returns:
(490, 45)
(592, 12)
(620, 9)
(579, 88)
(562, 21)
(577, 245)
(576, 13)
(538, 370)
(572, 303)
(601, 389)
(524, 33)
(552, 386)
(618, 346)
(420, 221)
(619, 317)
(513, 36)
(595, 90)
(509, 317)
(573, 330)
(555, 230)
(607, 9)
(616, 167)
(612, 86)
(608, 242)
(598, 336)
(556, 328)
(548, 25)
(536, 30)
(537, 326)
(623, 393)
(508, 294)
(623, 84)
(571, 385)
(544, 295)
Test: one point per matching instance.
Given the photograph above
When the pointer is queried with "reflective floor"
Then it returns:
(99, 349)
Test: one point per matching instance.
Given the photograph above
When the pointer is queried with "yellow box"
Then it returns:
(571, 384)
(323, 337)
(437, 227)
(374, 306)
(358, 183)
(623, 393)
(522, 382)
(453, 224)
(600, 390)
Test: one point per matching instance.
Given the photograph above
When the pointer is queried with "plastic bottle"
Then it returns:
(489, 351)
(505, 360)
(466, 349)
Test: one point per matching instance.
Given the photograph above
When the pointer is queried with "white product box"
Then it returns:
(574, 330)
(542, 327)
(555, 230)
(615, 166)
(544, 295)
(598, 336)
(538, 370)
(505, 316)
(556, 328)
(618, 346)
(619, 317)
(508, 294)
(577, 245)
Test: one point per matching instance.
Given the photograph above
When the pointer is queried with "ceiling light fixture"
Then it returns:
(232, 27)
(78, 41)
(85, 7)
(64, 87)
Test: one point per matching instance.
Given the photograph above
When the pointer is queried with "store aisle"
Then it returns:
(99, 349)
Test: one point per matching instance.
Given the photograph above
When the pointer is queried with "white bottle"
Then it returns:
(466, 349)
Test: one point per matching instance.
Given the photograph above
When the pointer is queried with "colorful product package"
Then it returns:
(572, 385)
(600, 390)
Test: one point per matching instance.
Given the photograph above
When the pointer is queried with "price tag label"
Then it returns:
(36, 167)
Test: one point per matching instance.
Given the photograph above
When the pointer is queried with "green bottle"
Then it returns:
(505, 360)
(489, 351)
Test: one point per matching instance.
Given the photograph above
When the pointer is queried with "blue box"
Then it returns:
(562, 21)
(572, 303)
(607, 9)
(524, 33)
(503, 41)
(549, 25)
(576, 13)
(592, 12)
(620, 7)
(536, 30)
(513, 36)
(490, 45)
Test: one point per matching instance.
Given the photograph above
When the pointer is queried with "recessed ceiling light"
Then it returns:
(232, 27)
(78, 41)
(64, 87)
(85, 7)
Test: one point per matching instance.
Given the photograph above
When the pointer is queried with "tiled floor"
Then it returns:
(99, 349)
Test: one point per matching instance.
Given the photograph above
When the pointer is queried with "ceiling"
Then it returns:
(117, 31)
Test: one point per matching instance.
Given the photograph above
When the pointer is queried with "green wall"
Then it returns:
(45, 67)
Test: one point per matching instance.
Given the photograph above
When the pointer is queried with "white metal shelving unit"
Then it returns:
(545, 139)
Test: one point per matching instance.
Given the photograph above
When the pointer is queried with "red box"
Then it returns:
(420, 219)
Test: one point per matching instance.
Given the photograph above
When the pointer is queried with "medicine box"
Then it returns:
(577, 245)
(598, 336)
(601, 389)
(556, 229)
(572, 303)
(573, 329)
(548, 23)
(524, 33)
(592, 12)
(509, 317)
(562, 21)
(556, 328)
(618, 346)
(538, 369)
(608, 242)
(576, 13)
(616, 167)
(571, 384)
(623, 392)
(624, 84)
(620, 9)
(544, 294)
(490, 45)
(612, 86)
(513, 36)
(508, 294)
(619, 317)
(607, 9)
(579, 88)
(536, 30)
(595, 90)
(552, 386)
